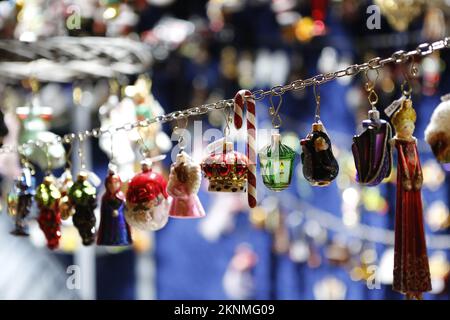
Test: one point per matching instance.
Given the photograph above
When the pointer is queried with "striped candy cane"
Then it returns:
(241, 98)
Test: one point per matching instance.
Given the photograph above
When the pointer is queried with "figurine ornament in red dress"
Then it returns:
(411, 269)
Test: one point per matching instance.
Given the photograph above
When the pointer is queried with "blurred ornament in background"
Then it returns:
(184, 183)
(432, 66)
(49, 219)
(83, 195)
(146, 206)
(20, 200)
(439, 270)
(437, 133)
(113, 229)
(276, 164)
(329, 288)
(400, 13)
(226, 170)
(434, 24)
(239, 279)
(34, 126)
(437, 216)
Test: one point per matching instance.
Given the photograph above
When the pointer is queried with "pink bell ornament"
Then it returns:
(147, 199)
(184, 183)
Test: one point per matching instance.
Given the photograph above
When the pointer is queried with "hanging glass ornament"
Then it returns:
(226, 170)
(49, 219)
(319, 164)
(437, 133)
(146, 199)
(411, 267)
(184, 182)
(372, 149)
(113, 229)
(277, 164)
(20, 199)
(276, 160)
(83, 196)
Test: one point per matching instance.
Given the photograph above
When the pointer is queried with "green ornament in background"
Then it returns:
(277, 164)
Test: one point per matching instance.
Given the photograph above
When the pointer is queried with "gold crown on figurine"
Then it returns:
(227, 171)
(406, 112)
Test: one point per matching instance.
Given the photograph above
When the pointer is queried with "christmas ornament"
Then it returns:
(113, 229)
(82, 195)
(400, 13)
(276, 160)
(226, 170)
(47, 197)
(319, 165)
(34, 125)
(371, 149)
(437, 133)
(184, 183)
(244, 97)
(20, 199)
(146, 199)
(411, 268)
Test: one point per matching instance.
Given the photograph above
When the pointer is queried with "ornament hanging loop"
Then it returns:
(179, 129)
(80, 151)
(228, 119)
(274, 112)
(406, 86)
(317, 98)
(370, 88)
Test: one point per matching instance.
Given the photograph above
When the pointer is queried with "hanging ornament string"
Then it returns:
(274, 112)
(370, 88)
(397, 57)
(317, 97)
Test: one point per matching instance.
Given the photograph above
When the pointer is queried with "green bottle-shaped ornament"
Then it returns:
(277, 164)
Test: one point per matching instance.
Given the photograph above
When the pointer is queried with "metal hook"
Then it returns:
(49, 163)
(274, 112)
(180, 128)
(317, 98)
(406, 84)
(80, 151)
(370, 88)
(144, 149)
(227, 115)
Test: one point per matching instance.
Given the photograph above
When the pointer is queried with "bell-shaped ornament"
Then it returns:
(20, 200)
(83, 196)
(319, 164)
(184, 183)
(372, 151)
(277, 164)
(47, 198)
(146, 206)
(113, 229)
(226, 170)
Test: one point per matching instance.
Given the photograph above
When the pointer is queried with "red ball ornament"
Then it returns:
(146, 192)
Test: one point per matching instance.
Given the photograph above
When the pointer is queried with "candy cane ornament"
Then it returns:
(242, 98)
